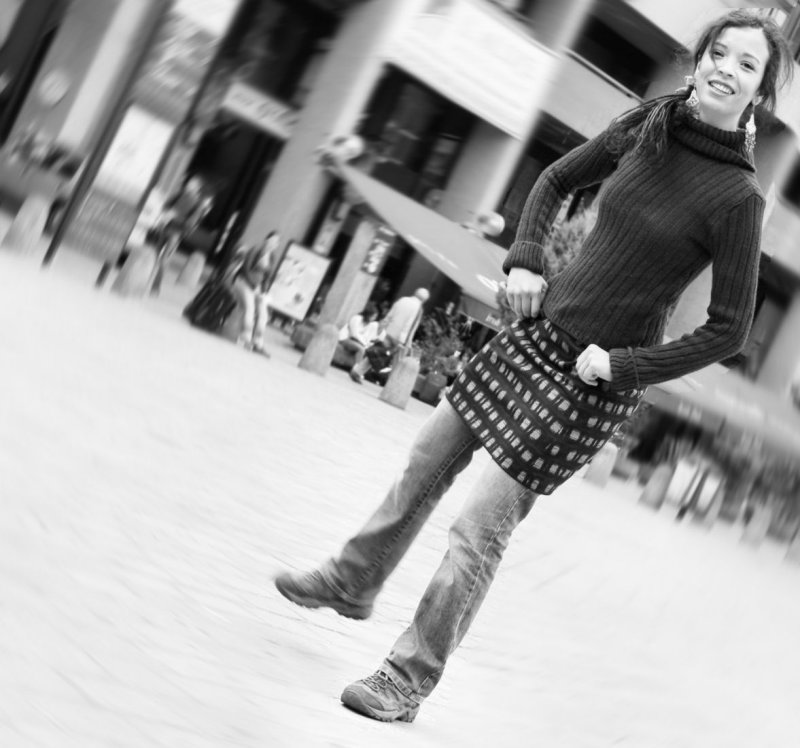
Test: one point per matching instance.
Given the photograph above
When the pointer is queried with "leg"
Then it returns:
(350, 582)
(261, 317)
(478, 538)
(245, 296)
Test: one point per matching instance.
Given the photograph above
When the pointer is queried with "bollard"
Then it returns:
(26, 230)
(656, 488)
(755, 531)
(400, 384)
(319, 353)
(600, 467)
(192, 271)
(134, 276)
(793, 551)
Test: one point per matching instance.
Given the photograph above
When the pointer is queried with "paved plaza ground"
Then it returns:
(153, 478)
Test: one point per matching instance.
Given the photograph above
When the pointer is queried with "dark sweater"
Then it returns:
(659, 224)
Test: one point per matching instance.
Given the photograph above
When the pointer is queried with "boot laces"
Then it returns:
(379, 683)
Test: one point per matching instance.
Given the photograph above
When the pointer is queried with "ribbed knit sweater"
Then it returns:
(659, 224)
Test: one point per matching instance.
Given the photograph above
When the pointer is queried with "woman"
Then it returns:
(360, 333)
(548, 392)
(250, 287)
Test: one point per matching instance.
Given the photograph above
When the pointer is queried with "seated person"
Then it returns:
(250, 287)
(360, 332)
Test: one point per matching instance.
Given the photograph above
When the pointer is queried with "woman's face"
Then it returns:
(729, 75)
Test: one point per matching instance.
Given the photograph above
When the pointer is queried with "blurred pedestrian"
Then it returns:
(250, 287)
(398, 328)
(546, 393)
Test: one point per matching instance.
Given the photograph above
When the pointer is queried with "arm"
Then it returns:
(735, 255)
(585, 165)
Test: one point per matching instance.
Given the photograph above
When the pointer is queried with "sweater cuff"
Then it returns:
(526, 255)
(624, 374)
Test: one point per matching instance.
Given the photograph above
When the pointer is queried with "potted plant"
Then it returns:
(438, 346)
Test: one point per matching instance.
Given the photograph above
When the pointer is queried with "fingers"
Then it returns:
(526, 302)
(592, 364)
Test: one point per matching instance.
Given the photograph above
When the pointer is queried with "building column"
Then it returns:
(347, 77)
(490, 156)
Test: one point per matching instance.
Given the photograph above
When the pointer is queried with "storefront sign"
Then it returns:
(262, 110)
(378, 251)
(470, 53)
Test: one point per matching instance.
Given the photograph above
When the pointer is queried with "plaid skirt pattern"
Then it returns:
(523, 400)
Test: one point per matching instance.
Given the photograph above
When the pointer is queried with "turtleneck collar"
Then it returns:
(721, 145)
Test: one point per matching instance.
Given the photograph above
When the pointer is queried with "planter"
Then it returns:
(431, 387)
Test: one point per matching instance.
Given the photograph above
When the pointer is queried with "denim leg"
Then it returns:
(477, 540)
(442, 449)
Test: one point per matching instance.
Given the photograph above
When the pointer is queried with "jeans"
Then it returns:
(477, 539)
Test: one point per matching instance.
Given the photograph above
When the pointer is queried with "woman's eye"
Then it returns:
(716, 53)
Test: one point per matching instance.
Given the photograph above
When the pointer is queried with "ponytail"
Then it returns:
(645, 129)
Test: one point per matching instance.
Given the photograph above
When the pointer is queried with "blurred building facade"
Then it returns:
(460, 105)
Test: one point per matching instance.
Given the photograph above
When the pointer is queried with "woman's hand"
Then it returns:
(525, 291)
(594, 363)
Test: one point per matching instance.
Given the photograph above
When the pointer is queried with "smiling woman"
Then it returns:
(545, 395)
(729, 76)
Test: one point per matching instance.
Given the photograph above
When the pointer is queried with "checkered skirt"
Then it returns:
(523, 400)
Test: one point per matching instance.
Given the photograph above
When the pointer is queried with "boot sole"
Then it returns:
(311, 603)
(353, 701)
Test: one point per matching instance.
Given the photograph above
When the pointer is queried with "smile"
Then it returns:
(721, 87)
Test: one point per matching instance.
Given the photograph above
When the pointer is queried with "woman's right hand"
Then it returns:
(525, 292)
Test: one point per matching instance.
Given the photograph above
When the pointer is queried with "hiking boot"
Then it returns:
(376, 696)
(312, 591)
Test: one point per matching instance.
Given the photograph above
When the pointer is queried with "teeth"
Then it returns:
(721, 87)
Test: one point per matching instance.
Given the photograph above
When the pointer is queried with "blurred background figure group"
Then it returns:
(397, 331)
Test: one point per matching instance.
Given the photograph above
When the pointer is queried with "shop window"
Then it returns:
(607, 50)
(550, 141)
(274, 42)
(413, 135)
(26, 33)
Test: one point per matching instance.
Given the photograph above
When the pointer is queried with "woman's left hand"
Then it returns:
(594, 363)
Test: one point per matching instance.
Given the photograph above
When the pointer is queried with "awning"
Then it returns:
(721, 401)
(470, 261)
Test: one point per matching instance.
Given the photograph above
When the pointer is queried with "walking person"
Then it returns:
(250, 287)
(398, 328)
(545, 394)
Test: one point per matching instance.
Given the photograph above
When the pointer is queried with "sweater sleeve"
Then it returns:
(583, 166)
(735, 257)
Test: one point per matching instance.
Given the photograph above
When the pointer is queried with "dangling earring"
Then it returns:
(750, 132)
(692, 101)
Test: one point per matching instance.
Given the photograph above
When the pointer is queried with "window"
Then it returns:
(616, 56)
(413, 134)
(26, 33)
(791, 30)
(8, 14)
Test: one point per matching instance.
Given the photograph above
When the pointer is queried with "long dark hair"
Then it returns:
(645, 128)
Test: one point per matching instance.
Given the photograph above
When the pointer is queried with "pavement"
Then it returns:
(153, 479)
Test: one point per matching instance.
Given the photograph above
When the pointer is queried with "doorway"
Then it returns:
(234, 160)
